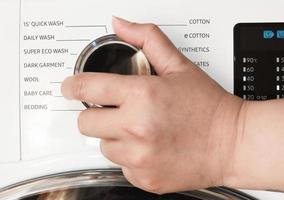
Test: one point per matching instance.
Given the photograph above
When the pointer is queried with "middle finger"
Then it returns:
(105, 123)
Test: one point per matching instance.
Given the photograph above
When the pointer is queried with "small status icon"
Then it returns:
(280, 34)
(268, 34)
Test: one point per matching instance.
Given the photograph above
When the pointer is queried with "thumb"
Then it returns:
(158, 49)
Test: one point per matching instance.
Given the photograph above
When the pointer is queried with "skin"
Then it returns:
(179, 130)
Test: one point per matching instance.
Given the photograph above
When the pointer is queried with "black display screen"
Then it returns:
(259, 61)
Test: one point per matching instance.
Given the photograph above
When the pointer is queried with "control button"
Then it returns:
(280, 34)
(268, 34)
(109, 54)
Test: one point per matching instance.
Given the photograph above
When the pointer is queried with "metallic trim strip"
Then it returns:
(96, 178)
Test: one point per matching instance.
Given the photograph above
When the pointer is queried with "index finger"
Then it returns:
(96, 88)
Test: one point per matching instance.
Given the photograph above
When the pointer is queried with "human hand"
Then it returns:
(170, 132)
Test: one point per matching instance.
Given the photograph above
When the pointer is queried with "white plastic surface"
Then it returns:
(55, 32)
(9, 82)
(265, 195)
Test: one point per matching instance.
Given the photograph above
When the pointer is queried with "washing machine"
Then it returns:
(42, 154)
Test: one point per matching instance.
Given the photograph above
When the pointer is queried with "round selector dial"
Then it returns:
(109, 54)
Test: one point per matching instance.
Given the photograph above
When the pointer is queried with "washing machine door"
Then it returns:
(102, 185)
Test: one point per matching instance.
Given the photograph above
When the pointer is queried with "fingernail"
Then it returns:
(66, 88)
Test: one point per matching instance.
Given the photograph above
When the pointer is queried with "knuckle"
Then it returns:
(144, 131)
(150, 184)
(146, 90)
(141, 160)
(137, 161)
(152, 28)
(149, 91)
(79, 91)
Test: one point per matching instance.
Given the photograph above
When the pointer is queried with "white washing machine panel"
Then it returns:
(40, 43)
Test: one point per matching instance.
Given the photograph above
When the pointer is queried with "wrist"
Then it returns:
(257, 161)
(231, 175)
(227, 127)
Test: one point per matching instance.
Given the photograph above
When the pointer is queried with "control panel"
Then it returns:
(259, 61)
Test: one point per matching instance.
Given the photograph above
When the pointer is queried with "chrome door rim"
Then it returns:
(100, 178)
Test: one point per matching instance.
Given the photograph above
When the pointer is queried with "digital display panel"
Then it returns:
(259, 61)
